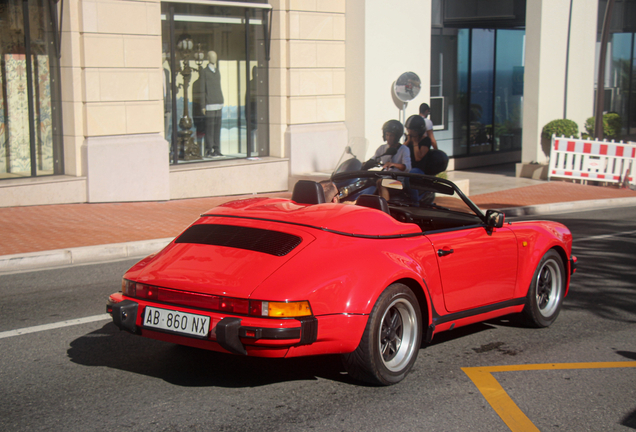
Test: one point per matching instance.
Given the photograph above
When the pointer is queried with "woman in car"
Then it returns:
(417, 142)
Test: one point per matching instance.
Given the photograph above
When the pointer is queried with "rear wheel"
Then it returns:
(546, 291)
(391, 340)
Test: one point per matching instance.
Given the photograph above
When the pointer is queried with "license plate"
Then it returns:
(175, 321)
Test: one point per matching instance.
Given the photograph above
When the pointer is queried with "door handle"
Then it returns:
(444, 252)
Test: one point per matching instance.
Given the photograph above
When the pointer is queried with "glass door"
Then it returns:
(477, 89)
(482, 74)
(508, 108)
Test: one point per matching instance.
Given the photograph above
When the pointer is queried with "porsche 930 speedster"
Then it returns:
(373, 281)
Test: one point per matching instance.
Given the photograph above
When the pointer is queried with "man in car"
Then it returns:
(393, 155)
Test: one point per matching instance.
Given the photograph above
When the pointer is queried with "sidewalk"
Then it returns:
(56, 235)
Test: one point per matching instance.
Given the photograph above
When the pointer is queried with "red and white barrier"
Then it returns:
(592, 160)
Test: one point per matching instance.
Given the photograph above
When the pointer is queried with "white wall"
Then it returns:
(545, 65)
(383, 41)
(580, 97)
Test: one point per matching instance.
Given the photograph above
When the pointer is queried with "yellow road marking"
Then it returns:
(503, 405)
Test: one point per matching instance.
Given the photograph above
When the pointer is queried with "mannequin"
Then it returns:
(211, 105)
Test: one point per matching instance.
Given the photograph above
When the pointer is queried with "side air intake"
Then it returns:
(254, 239)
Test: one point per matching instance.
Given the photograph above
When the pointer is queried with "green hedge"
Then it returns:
(560, 127)
(612, 126)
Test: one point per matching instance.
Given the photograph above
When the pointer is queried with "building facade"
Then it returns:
(135, 100)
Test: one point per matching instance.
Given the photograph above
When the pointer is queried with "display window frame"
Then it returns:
(31, 138)
(216, 80)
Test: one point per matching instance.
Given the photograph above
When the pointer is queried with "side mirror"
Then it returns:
(494, 219)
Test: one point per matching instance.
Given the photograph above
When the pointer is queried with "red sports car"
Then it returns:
(274, 277)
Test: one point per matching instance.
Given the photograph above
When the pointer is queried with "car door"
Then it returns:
(478, 266)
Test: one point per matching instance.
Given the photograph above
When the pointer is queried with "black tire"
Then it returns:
(546, 291)
(391, 340)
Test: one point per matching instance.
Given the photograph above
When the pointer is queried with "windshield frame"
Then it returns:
(420, 182)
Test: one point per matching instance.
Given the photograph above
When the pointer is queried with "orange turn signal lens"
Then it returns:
(289, 309)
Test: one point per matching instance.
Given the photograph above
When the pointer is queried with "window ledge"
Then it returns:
(192, 166)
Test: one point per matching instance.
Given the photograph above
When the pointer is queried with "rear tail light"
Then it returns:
(289, 309)
(217, 303)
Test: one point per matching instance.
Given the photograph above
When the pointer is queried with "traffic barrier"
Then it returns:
(584, 160)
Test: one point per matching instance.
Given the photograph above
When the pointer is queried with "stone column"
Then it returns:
(545, 66)
(307, 102)
(125, 156)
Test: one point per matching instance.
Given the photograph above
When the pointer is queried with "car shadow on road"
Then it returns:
(192, 367)
(458, 333)
(630, 420)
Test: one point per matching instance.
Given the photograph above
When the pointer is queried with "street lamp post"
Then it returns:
(191, 150)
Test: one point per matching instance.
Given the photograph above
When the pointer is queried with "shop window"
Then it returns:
(30, 123)
(215, 82)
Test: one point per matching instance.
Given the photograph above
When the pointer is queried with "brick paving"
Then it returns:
(548, 193)
(41, 228)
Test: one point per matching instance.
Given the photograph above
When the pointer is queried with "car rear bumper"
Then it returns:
(232, 333)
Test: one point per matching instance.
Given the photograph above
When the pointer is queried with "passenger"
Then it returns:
(417, 142)
(419, 145)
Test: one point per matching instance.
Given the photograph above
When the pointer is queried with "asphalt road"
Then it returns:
(92, 377)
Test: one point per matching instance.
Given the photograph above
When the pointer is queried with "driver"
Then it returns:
(331, 191)
(393, 155)
(400, 160)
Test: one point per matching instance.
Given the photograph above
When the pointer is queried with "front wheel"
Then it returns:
(391, 340)
(546, 291)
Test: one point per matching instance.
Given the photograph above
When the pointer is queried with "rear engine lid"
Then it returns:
(222, 257)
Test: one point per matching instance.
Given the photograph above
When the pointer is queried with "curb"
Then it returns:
(139, 249)
(561, 207)
(80, 255)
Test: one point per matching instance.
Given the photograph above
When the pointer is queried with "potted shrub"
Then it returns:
(612, 127)
(559, 127)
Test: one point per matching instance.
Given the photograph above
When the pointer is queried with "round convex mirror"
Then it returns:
(407, 86)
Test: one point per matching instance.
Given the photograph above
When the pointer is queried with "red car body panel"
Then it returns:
(216, 269)
(346, 257)
(534, 239)
(468, 274)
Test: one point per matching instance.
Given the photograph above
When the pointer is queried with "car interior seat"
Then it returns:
(373, 201)
(308, 192)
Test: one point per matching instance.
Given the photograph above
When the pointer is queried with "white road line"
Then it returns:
(605, 236)
(51, 326)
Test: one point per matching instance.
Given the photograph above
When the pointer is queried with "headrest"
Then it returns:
(308, 192)
(373, 201)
